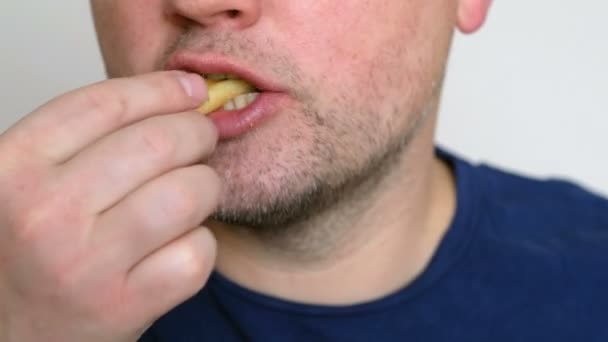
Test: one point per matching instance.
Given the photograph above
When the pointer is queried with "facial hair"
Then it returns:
(339, 145)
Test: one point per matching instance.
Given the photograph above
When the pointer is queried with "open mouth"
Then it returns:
(241, 97)
(227, 92)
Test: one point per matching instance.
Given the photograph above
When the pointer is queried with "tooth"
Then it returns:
(241, 101)
(232, 77)
(230, 105)
(223, 91)
(251, 97)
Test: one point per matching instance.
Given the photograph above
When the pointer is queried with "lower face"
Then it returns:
(359, 75)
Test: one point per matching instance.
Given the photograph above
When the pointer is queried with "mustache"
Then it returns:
(218, 42)
(238, 46)
(265, 56)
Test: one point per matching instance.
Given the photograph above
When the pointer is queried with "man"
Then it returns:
(318, 199)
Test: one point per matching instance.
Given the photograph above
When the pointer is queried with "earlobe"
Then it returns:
(472, 14)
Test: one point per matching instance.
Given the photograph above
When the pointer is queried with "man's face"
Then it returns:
(358, 76)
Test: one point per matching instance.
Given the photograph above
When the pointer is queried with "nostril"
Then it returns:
(233, 13)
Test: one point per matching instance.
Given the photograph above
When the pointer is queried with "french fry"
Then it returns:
(220, 92)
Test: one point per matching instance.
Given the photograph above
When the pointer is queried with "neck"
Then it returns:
(365, 248)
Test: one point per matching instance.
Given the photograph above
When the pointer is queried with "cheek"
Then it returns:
(372, 77)
(329, 37)
(132, 34)
(350, 46)
(377, 53)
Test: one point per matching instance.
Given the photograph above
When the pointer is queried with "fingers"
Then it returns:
(64, 126)
(105, 172)
(120, 146)
(157, 213)
(171, 275)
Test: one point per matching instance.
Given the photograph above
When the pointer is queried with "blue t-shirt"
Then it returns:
(523, 260)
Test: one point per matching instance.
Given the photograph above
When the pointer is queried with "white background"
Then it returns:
(527, 93)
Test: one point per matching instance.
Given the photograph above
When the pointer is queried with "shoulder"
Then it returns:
(551, 231)
(545, 206)
(540, 246)
(528, 206)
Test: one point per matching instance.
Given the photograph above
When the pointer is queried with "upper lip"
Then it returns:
(205, 64)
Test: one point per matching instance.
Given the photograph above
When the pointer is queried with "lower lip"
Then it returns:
(232, 124)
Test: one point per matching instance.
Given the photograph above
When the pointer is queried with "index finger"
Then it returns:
(67, 124)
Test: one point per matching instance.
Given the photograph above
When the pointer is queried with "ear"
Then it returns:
(472, 14)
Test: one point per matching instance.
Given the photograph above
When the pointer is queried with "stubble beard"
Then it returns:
(324, 176)
(335, 155)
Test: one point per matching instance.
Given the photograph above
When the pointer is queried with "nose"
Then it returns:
(236, 14)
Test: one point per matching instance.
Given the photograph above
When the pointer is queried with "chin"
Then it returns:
(264, 173)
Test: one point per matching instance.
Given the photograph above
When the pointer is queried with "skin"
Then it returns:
(357, 126)
(374, 97)
(301, 191)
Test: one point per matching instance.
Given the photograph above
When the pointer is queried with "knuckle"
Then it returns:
(29, 220)
(157, 141)
(181, 201)
(106, 103)
(67, 275)
(43, 213)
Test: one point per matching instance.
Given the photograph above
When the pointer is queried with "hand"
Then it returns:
(102, 192)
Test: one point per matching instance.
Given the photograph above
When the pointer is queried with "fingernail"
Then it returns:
(193, 85)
